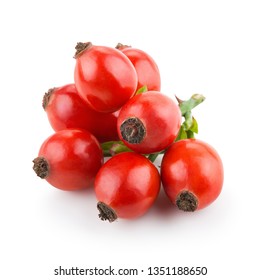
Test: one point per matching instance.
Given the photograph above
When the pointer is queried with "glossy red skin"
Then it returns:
(195, 166)
(105, 78)
(74, 157)
(146, 68)
(66, 109)
(160, 115)
(129, 183)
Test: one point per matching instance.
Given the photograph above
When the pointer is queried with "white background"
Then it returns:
(207, 47)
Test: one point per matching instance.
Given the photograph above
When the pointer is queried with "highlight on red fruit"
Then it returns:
(65, 109)
(69, 159)
(126, 186)
(104, 77)
(149, 122)
(146, 68)
(192, 174)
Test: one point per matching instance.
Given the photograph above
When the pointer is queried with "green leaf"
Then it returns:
(141, 90)
(190, 134)
(194, 127)
(182, 134)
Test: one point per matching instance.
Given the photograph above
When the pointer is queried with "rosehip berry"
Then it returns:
(192, 174)
(69, 159)
(149, 122)
(105, 78)
(146, 68)
(126, 186)
(65, 109)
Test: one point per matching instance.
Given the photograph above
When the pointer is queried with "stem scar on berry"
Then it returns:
(133, 130)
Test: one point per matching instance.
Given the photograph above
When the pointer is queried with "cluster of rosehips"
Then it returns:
(115, 109)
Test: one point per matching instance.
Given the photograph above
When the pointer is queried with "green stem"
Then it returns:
(112, 148)
(188, 121)
(189, 125)
(153, 157)
(188, 105)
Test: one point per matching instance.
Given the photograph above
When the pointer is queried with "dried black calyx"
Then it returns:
(81, 47)
(106, 212)
(133, 130)
(187, 201)
(122, 46)
(46, 97)
(41, 167)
